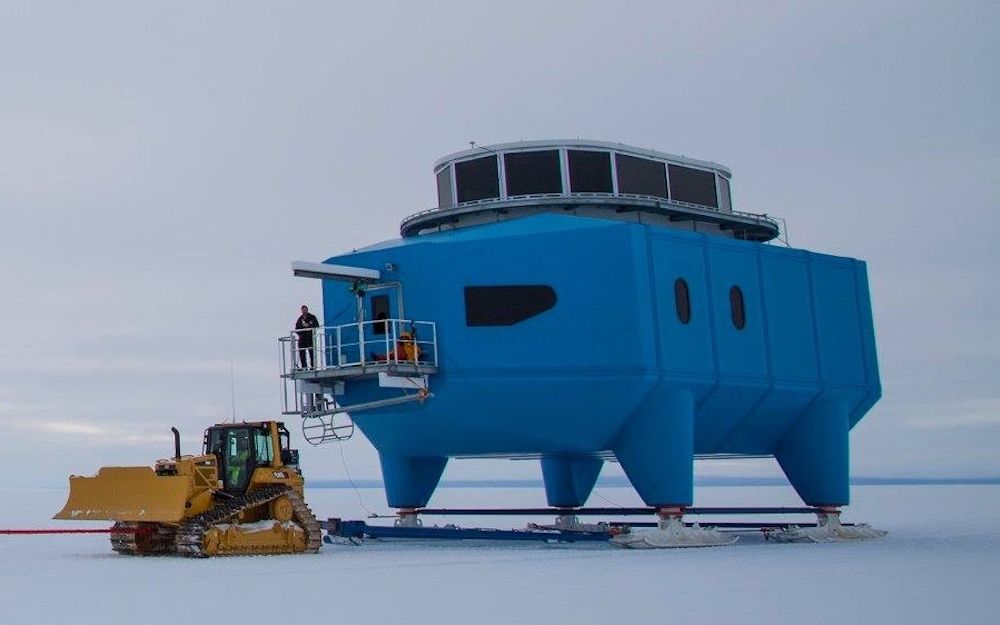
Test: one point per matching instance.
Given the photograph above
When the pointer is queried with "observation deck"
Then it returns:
(316, 364)
(589, 178)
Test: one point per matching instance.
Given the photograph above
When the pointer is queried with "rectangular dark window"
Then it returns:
(380, 311)
(506, 305)
(532, 172)
(477, 179)
(589, 172)
(445, 197)
(693, 185)
(725, 199)
(641, 176)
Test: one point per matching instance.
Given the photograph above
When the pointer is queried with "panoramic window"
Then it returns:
(737, 308)
(506, 305)
(532, 172)
(477, 179)
(682, 300)
(589, 172)
(640, 176)
(725, 200)
(693, 185)
(445, 198)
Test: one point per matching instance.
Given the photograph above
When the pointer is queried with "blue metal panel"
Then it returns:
(837, 323)
(722, 410)
(605, 367)
(741, 352)
(789, 315)
(872, 383)
(760, 431)
(684, 348)
(496, 413)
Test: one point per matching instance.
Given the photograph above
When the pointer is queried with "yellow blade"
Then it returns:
(126, 494)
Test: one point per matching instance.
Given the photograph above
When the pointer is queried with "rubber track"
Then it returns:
(191, 534)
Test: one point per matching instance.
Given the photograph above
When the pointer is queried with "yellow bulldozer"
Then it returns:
(242, 496)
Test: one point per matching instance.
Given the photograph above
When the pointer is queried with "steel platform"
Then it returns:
(358, 530)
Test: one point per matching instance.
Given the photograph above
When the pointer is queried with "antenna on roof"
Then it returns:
(232, 390)
(473, 146)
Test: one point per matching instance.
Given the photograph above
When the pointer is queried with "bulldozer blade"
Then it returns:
(126, 494)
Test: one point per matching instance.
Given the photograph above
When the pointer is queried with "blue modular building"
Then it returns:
(581, 302)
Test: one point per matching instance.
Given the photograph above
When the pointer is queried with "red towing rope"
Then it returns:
(15, 532)
(110, 530)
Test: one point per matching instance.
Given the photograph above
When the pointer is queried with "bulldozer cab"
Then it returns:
(241, 448)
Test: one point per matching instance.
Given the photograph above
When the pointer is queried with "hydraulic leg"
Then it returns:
(656, 450)
(814, 455)
(410, 482)
(569, 481)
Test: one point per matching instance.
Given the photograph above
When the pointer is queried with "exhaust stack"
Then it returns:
(177, 443)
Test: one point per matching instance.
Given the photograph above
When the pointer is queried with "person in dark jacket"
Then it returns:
(305, 324)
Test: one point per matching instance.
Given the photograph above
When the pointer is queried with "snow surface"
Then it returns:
(939, 564)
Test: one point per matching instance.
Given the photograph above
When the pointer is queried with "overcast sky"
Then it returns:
(162, 163)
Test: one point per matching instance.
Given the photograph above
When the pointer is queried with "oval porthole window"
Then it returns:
(737, 308)
(682, 300)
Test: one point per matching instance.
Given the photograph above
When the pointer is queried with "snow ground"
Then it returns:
(939, 564)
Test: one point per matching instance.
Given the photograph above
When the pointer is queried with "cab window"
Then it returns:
(262, 442)
(237, 460)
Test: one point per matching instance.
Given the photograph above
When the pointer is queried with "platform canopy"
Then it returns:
(323, 271)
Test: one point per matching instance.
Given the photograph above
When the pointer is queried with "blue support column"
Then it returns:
(568, 481)
(814, 454)
(410, 482)
(656, 448)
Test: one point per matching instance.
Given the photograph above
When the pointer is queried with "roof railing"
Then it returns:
(760, 219)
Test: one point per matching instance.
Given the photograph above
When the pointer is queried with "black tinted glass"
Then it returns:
(532, 172)
(640, 176)
(737, 308)
(477, 179)
(589, 172)
(693, 185)
(682, 300)
(445, 198)
(725, 199)
(380, 312)
(506, 305)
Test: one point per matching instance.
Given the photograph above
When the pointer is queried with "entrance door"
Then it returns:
(381, 309)
(238, 459)
(382, 312)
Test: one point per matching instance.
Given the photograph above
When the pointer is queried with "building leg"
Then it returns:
(568, 483)
(656, 450)
(410, 481)
(814, 455)
(568, 480)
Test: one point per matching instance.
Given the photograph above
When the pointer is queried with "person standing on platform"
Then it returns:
(305, 325)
